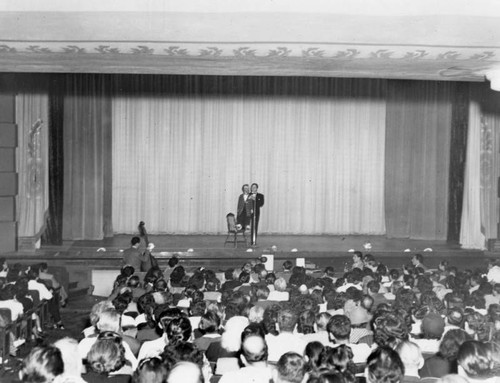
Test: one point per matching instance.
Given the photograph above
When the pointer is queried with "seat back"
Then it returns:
(35, 295)
(231, 222)
(5, 317)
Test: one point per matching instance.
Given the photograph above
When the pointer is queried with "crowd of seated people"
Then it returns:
(366, 324)
(23, 289)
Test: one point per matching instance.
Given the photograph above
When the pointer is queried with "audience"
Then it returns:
(250, 324)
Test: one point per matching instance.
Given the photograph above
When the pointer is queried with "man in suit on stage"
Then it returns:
(243, 215)
(258, 202)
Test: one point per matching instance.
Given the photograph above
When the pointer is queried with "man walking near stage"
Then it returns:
(258, 202)
(132, 256)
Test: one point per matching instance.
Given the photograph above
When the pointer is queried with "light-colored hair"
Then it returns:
(322, 320)
(256, 314)
(71, 358)
(106, 355)
(42, 365)
(280, 284)
(185, 372)
(231, 338)
(97, 309)
(109, 320)
(410, 354)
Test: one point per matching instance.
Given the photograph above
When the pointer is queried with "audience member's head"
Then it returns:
(339, 328)
(411, 356)
(173, 261)
(185, 372)
(312, 354)
(432, 326)
(322, 320)
(179, 330)
(231, 337)
(287, 320)
(280, 284)
(389, 329)
(338, 359)
(107, 354)
(150, 370)
(475, 360)
(181, 352)
(306, 321)
(253, 350)
(42, 365)
(209, 323)
(256, 314)
(451, 342)
(291, 368)
(384, 366)
(71, 358)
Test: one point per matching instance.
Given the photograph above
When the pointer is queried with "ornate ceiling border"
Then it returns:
(256, 50)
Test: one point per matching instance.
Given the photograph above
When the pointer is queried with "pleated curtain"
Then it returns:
(184, 145)
(87, 158)
(417, 159)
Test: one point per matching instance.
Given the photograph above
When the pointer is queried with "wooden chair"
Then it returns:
(233, 230)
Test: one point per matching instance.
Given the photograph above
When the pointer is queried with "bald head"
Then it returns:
(254, 349)
(410, 355)
(185, 372)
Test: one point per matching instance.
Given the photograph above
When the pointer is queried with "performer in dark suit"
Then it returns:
(258, 202)
(244, 213)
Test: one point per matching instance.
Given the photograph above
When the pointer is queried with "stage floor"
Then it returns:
(284, 243)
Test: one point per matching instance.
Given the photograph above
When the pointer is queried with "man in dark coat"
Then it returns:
(257, 200)
(133, 256)
(243, 214)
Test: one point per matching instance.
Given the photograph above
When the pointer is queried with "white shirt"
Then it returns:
(283, 343)
(248, 375)
(279, 296)
(321, 337)
(493, 275)
(16, 308)
(343, 289)
(427, 346)
(152, 348)
(41, 288)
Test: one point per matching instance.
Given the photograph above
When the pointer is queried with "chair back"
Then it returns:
(35, 295)
(5, 317)
(231, 222)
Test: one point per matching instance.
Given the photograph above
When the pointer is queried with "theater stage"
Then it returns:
(80, 258)
(210, 249)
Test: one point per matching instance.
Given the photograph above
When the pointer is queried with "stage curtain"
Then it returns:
(184, 145)
(32, 159)
(54, 223)
(490, 158)
(458, 153)
(417, 159)
(480, 213)
(87, 158)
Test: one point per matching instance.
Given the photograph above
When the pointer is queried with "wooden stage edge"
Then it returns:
(211, 248)
(83, 262)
